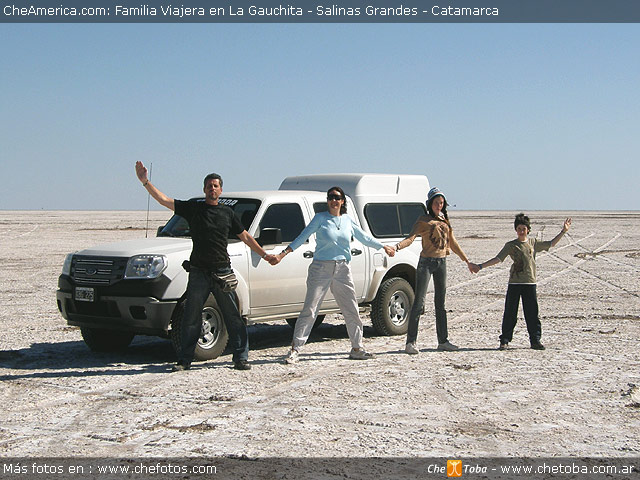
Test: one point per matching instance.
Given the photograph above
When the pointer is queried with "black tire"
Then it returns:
(316, 324)
(103, 340)
(213, 336)
(391, 307)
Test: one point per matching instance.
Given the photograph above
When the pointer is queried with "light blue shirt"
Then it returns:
(333, 237)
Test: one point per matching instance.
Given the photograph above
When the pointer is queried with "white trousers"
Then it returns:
(324, 275)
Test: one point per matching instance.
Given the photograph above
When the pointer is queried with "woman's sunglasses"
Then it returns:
(334, 197)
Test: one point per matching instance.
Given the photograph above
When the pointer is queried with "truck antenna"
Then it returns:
(146, 230)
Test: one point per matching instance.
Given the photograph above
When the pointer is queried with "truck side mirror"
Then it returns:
(269, 236)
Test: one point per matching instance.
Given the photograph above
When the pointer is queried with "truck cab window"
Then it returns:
(285, 216)
(409, 213)
(320, 207)
(392, 219)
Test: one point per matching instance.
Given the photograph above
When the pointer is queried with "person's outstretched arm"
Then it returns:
(457, 249)
(488, 263)
(565, 229)
(255, 246)
(309, 230)
(161, 198)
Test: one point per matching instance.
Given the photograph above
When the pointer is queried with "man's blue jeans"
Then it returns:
(427, 267)
(201, 283)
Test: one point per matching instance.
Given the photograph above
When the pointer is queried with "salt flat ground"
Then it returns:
(577, 398)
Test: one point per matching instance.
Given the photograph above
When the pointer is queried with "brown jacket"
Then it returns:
(437, 238)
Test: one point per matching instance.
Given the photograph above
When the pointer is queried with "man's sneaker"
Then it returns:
(242, 365)
(292, 358)
(360, 354)
(411, 348)
(503, 346)
(447, 347)
(537, 346)
(179, 367)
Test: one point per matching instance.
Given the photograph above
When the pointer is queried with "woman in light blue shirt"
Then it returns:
(330, 270)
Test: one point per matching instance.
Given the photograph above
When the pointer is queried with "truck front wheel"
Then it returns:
(103, 340)
(213, 336)
(391, 307)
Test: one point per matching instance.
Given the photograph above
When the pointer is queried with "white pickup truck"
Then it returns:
(118, 290)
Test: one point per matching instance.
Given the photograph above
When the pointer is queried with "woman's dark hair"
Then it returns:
(343, 208)
(444, 207)
(522, 219)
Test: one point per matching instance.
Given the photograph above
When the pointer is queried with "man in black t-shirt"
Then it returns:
(210, 225)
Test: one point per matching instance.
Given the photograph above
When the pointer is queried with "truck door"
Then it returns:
(281, 289)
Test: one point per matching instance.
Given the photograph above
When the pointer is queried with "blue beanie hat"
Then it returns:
(433, 193)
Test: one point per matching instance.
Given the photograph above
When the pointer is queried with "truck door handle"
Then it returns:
(355, 251)
(307, 254)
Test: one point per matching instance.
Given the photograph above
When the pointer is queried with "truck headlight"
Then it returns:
(66, 266)
(145, 266)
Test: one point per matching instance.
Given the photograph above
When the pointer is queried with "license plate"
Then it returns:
(85, 294)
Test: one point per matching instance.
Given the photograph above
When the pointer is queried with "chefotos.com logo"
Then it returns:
(454, 468)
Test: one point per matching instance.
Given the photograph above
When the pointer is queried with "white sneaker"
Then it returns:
(292, 357)
(361, 354)
(447, 347)
(411, 348)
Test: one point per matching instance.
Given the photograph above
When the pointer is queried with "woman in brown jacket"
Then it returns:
(437, 242)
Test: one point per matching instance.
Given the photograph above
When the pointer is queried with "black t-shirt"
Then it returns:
(210, 227)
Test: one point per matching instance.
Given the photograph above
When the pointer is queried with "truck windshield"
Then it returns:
(244, 208)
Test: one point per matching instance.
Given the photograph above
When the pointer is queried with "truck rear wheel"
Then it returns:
(213, 336)
(103, 340)
(391, 307)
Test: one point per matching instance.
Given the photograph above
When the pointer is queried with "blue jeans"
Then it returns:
(427, 267)
(530, 307)
(201, 283)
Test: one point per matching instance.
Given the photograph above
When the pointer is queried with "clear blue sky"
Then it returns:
(499, 116)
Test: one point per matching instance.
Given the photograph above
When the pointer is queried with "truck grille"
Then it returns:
(97, 270)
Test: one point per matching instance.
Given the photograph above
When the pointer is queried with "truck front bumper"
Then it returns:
(141, 315)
